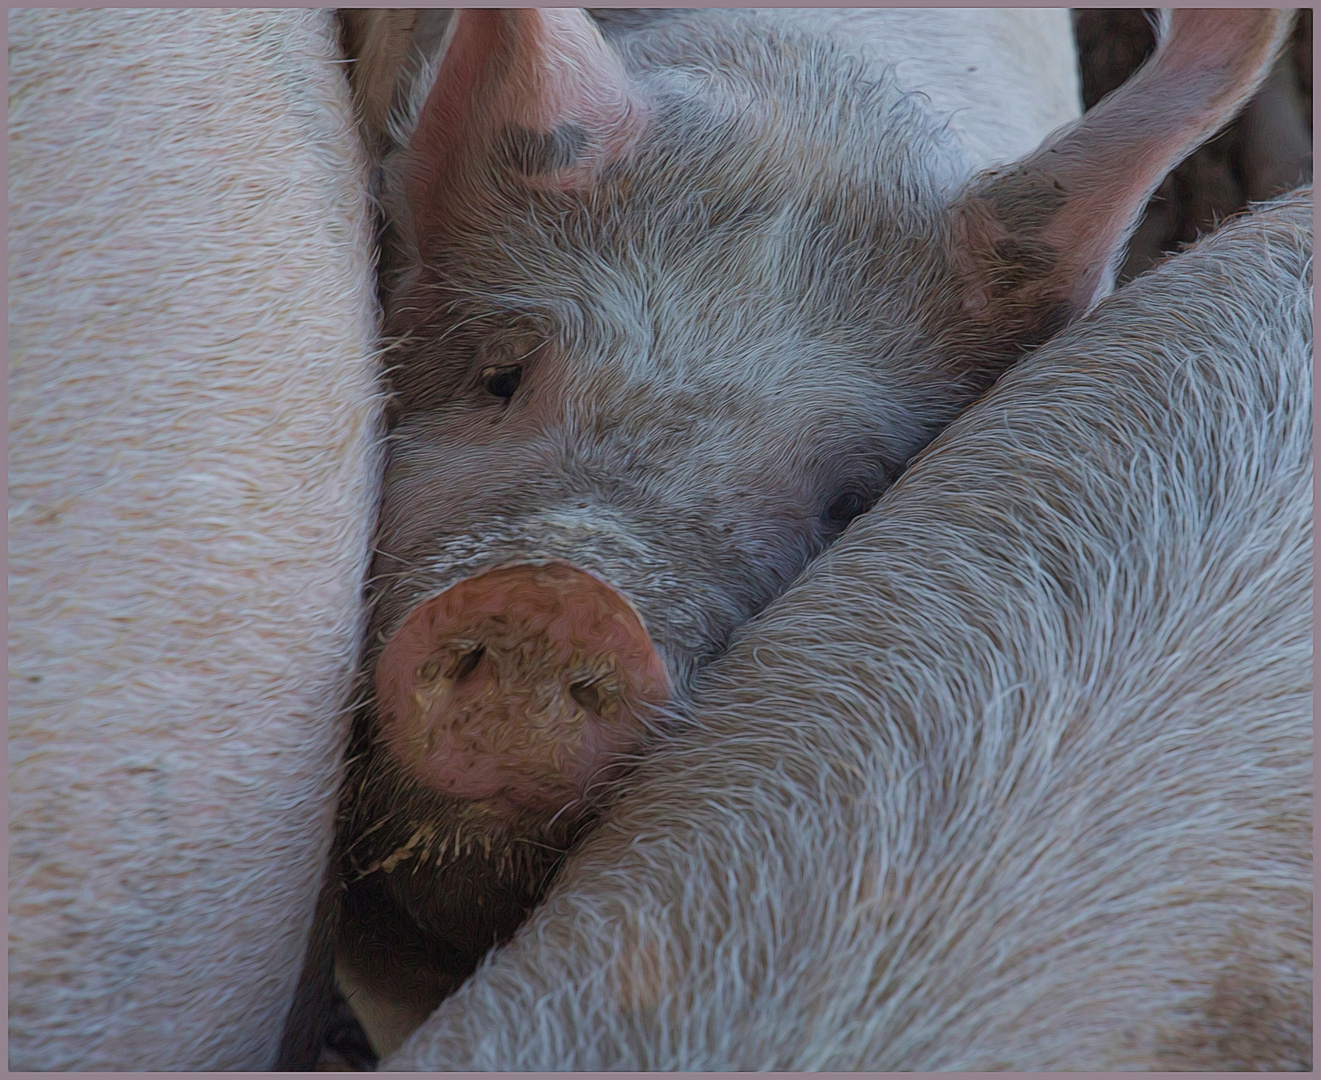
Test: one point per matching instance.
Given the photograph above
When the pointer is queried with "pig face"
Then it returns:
(684, 374)
(675, 314)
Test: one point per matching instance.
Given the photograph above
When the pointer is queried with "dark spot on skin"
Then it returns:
(1024, 260)
(1251, 1021)
(536, 153)
(1024, 201)
(1023, 276)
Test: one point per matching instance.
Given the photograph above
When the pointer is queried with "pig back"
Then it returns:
(193, 474)
(1002, 78)
(1018, 774)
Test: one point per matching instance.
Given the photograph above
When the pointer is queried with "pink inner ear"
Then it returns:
(534, 75)
(472, 46)
(563, 72)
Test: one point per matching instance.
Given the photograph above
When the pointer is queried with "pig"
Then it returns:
(1001, 80)
(1017, 776)
(195, 448)
(678, 299)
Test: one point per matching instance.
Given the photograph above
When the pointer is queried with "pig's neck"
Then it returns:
(1002, 79)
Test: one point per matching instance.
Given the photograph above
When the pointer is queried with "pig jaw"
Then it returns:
(517, 686)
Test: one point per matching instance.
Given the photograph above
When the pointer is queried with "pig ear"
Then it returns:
(1040, 240)
(537, 92)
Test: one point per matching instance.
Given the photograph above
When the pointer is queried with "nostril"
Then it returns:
(586, 694)
(468, 663)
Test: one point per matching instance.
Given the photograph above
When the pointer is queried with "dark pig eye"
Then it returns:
(502, 382)
(845, 508)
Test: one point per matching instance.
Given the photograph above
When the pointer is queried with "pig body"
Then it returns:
(1000, 79)
(673, 305)
(1016, 776)
(194, 464)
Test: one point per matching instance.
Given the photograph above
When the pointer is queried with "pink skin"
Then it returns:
(518, 685)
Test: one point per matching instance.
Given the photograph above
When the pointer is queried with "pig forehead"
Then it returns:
(774, 91)
(741, 162)
(727, 375)
(767, 261)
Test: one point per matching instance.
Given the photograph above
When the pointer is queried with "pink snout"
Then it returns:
(517, 685)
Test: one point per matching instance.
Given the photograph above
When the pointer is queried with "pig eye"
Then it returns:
(845, 508)
(502, 381)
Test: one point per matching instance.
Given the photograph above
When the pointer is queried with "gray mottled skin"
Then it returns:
(731, 342)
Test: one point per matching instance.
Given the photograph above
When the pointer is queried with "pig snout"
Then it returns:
(518, 685)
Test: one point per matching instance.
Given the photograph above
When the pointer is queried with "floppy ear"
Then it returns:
(1039, 241)
(537, 93)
